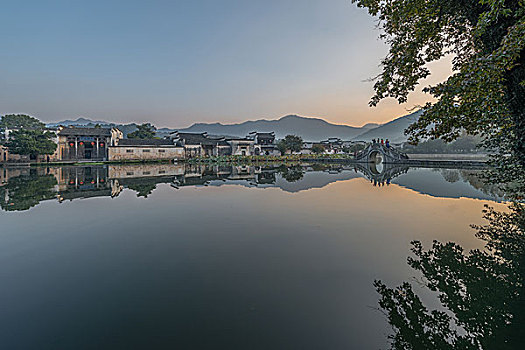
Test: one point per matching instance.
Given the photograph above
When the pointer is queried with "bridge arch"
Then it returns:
(376, 156)
(374, 151)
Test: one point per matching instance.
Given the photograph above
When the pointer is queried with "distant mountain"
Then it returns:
(310, 129)
(370, 126)
(394, 130)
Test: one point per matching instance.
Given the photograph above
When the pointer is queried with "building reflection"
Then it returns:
(23, 188)
(85, 182)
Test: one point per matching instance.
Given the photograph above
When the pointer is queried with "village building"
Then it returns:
(108, 144)
(241, 146)
(307, 148)
(333, 145)
(149, 149)
(201, 145)
(264, 143)
(75, 143)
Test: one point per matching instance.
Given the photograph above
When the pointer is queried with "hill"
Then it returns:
(311, 129)
(393, 130)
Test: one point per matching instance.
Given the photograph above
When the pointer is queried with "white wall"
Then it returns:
(145, 153)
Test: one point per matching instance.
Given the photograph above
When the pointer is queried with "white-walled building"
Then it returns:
(149, 149)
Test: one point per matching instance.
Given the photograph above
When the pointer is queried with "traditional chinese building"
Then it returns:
(76, 143)
(241, 146)
(201, 145)
(264, 143)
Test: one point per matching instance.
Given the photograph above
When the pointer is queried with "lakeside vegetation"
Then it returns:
(481, 292)
(466, 144)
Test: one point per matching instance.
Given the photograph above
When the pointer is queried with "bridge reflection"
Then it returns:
(380, 174)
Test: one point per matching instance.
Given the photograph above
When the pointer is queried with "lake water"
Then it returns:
(217, 257)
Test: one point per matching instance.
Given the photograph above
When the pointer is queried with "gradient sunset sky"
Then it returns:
(174, 63)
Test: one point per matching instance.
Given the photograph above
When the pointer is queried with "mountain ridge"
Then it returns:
(309, 128)
(394, 130)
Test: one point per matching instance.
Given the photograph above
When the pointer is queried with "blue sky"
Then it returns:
(179, 62)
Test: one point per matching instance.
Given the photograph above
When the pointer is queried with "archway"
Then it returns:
(375, 157)
(376, 168)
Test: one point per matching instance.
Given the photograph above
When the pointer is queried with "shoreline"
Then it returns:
(468, 160)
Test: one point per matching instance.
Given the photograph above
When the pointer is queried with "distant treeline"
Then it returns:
(464, 144)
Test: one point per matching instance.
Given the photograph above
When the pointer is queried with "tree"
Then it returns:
(357, 147)
(485, 94)
(31, 143)
(293, 143)
(282, 147)
(464, 144)
(144, 131)
(20, 121)
(317, 149)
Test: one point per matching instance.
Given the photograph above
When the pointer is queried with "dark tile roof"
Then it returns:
(85, 132)
(223, 143)
(266, 135)
(200, 139)
(239, 139)
(145, 142)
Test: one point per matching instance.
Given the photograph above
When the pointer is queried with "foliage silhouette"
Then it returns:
(144, 131)
(292, 173)
(26, 191)
(19, 121)
(31, 143)
(485, 94)
(482, 291)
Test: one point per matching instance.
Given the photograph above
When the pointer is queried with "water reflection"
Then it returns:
(481, 293)
(23, 188)
(209, 256)
(26, 189)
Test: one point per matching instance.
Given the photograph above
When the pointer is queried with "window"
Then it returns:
(162, 171)
(129, 151)
(129, 173)
(145, 151)
(162, 150)
(146, 173)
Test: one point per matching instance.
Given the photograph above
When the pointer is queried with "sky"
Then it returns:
(174, 63)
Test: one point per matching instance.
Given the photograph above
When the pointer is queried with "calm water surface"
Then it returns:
(229, 257)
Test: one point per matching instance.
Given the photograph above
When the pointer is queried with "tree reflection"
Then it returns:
(143, 189)
(291, 173)
(481, 291)
(26, 191)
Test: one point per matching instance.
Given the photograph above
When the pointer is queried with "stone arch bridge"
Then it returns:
(377, 153)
